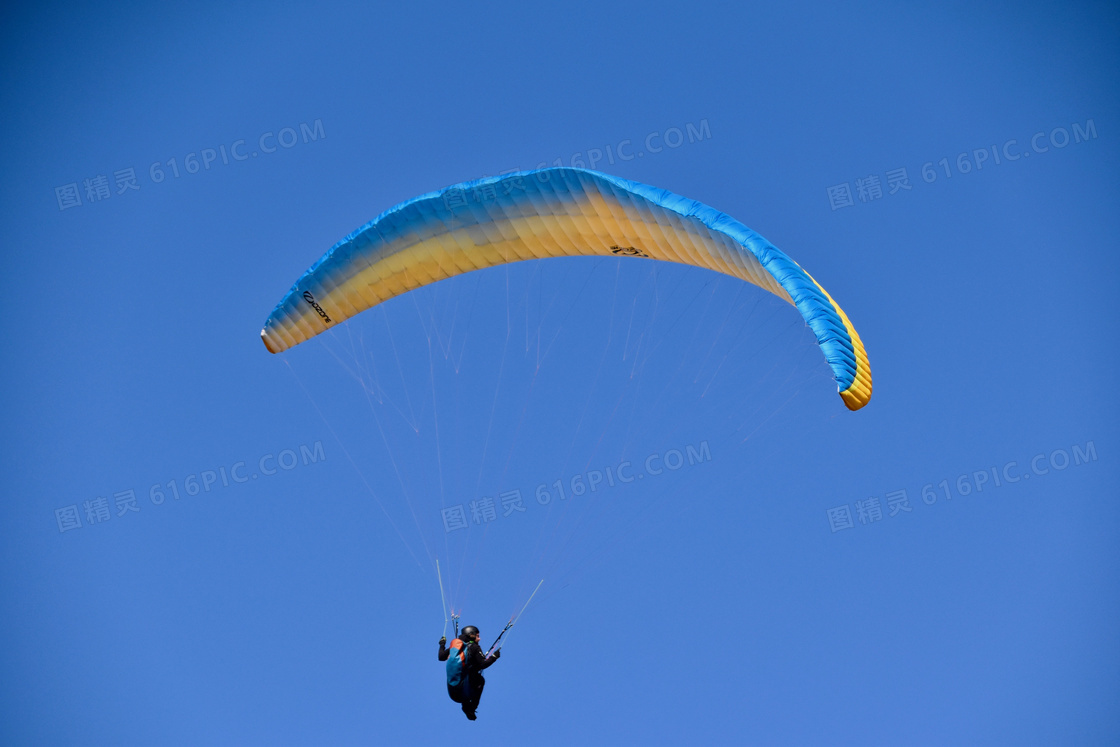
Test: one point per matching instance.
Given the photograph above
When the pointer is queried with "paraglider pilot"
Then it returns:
(465, 662)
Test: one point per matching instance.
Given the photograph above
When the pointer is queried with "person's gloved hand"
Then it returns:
(498, 654)
(443, 641)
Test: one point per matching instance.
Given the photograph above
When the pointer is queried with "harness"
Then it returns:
(457, 663)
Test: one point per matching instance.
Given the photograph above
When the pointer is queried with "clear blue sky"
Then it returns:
(720, 603)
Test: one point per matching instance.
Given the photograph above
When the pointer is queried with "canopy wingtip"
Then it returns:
(268, 343)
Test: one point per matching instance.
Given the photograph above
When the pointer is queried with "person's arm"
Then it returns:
(479, 660)
(444, 651)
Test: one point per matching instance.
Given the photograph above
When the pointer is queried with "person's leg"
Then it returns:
(471, 702)
(467, 697)
(479, 684)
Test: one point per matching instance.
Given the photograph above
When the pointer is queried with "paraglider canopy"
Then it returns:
(555, 212)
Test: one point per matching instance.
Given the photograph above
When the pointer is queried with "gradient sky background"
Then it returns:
(712, 604)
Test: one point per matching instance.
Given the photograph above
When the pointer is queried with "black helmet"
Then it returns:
(469, 633)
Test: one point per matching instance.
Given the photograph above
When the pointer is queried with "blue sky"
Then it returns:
(295, 601)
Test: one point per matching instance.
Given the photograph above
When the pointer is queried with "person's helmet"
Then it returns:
(469, 633)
